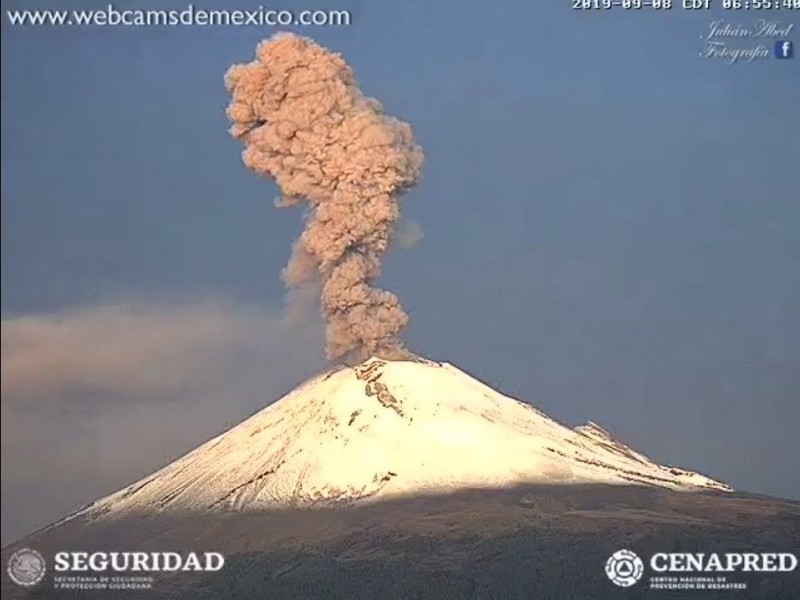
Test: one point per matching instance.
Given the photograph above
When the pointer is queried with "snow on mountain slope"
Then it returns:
(387, 428)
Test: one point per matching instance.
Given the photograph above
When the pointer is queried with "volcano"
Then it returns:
(382, 429)
(400, 479)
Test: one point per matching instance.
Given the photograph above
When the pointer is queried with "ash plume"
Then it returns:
(304, 123)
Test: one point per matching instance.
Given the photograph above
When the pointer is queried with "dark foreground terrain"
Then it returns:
(529, 542)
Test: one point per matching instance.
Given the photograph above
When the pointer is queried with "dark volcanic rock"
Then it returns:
(528, 542)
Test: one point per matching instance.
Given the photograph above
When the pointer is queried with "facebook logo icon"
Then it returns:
(784, 49)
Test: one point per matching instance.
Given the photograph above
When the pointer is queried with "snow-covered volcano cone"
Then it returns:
(387, 428)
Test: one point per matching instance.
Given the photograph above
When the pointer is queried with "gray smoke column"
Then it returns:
(304, 123)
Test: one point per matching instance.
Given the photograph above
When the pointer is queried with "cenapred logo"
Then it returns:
(26, 567)
(624, 568)
(696, 571)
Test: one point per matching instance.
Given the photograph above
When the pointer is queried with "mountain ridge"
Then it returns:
(386, 428)
(399, 479)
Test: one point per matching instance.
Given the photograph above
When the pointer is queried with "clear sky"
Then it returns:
(610, 233)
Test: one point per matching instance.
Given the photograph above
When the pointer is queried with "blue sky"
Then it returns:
(610, 220)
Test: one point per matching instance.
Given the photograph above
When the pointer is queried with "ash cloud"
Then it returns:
(408, 235)
(304, 123)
